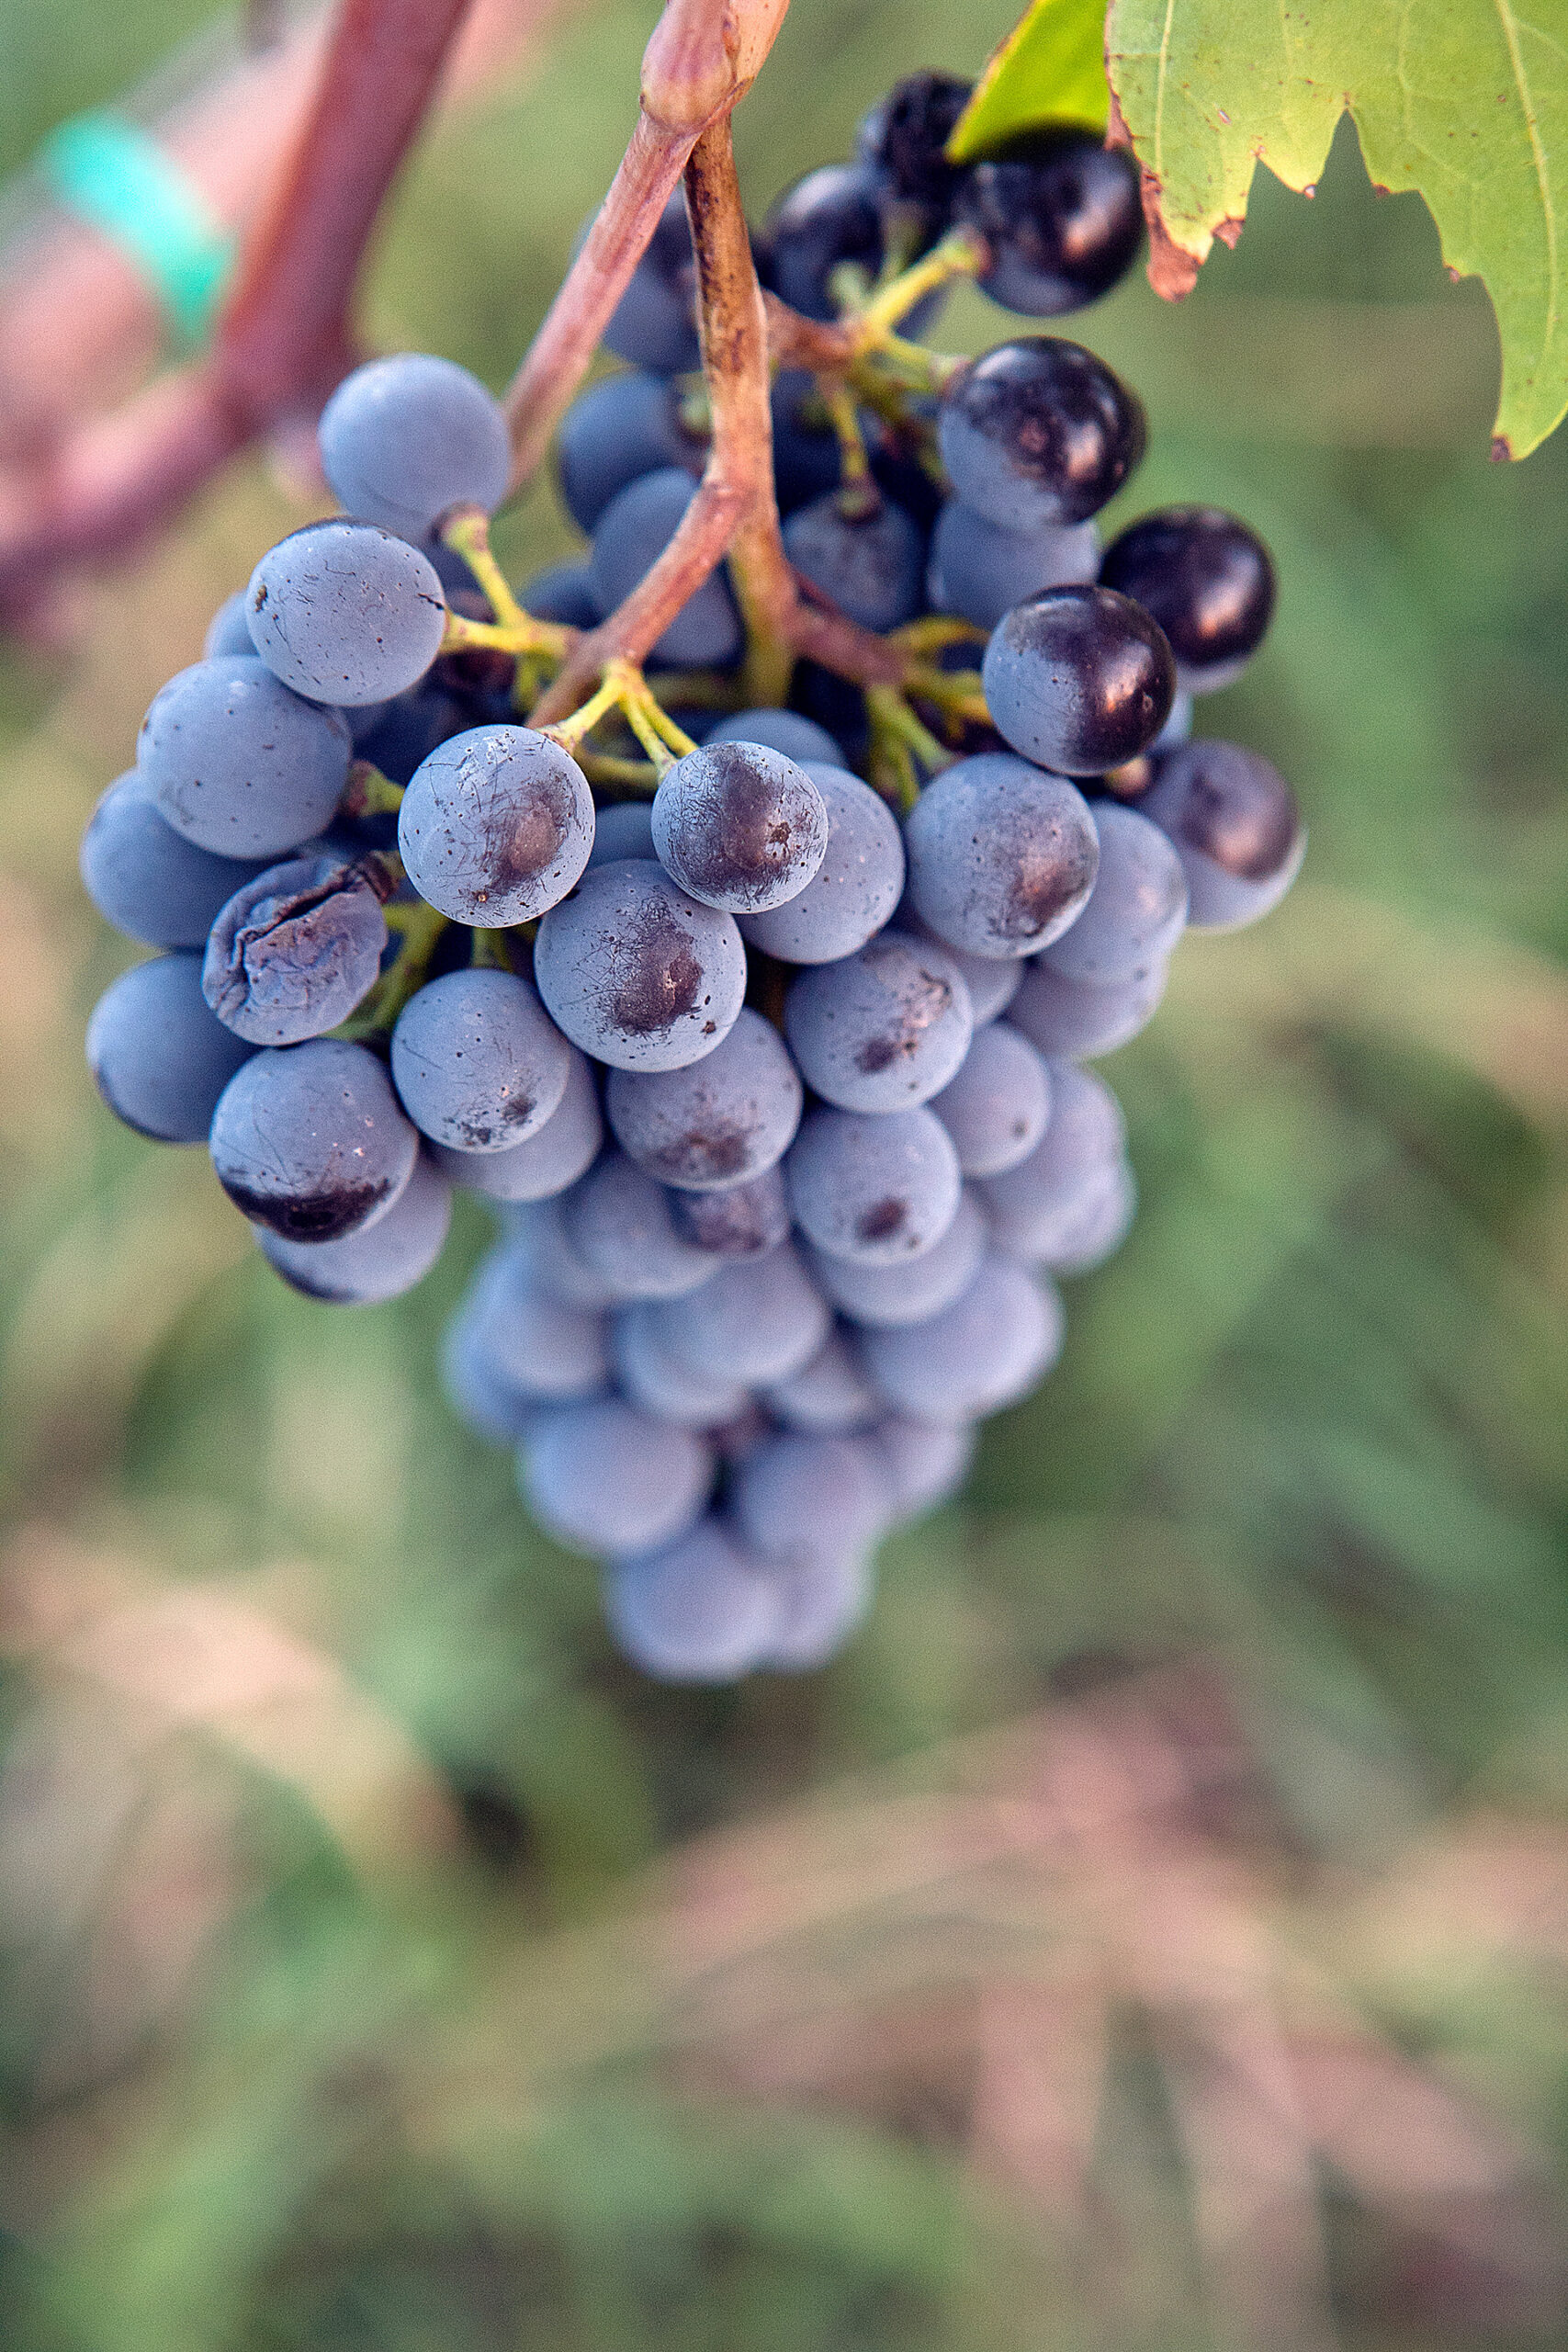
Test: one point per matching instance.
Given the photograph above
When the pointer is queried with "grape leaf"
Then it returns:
(1050, 68)
(1465, 101)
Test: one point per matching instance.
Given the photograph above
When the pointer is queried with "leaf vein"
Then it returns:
(1509, 23)
(1160, 88)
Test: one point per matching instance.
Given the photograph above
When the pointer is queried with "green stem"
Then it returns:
(959, 255)
(368, 793)
(492, 952)
(421, 927)
(901, 738)
(467, 531)
(604, 767)
(960, 692)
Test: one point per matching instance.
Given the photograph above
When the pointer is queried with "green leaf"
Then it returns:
(1465, 101)
(1051, 68)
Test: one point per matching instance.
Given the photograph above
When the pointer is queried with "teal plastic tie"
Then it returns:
(114, 176)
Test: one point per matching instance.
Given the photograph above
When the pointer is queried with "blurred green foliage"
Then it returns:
(290, 2066)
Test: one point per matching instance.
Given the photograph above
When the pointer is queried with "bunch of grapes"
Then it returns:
(774, 1075)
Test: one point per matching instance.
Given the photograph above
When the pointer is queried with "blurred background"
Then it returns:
(1153, 1933)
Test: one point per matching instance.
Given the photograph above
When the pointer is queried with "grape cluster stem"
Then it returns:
(735, 514)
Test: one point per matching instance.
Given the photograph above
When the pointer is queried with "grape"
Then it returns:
(1087, 1236)
(618, 430)
(659, 1381)
(454, 571)
(884, 1029)
(987, 1350)
(806, 457)
(739, 827)
(605, 1478)
(904, 138)
(924, 1462)
(915, 1287)
(294, 951)
(837, 706)
(856, 886)
(1206, 578)
(697, 1612)
(979, 570)
(1061, 215)
(1039, 432)
(346, 613)
(992, 980)
(563, 593)
(496, 826)
(618, 1221)
(636, 973)
(997, 1106)
(876, 1190)
(1177, 728)
(239, 765)
(743, 1221)
(1236, 829)
(1136, 911)
(804, 1502)
(757, 1319)
(480, 1396)
(718, 1121)
(311, 1141)
(405, 439)
(870, 565)
(380, 1262)
(1001, 857)
(539, 1346)
(830, 217)
(624, 829)
(541, 1237)
(782, 730)
(147, 879)
(830, 1393)
(633, 533)
(229, 631)
(1079, 679)
(819, 1608)
(411, 728)
(545, 1162)
(1084, 1138)
(477, 1060)
(896, 471)
(1072, 1022)
(157, 1055)
(364, 719)
(654, 323)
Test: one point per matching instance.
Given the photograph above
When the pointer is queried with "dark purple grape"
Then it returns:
(871, 566)
(654, 323)
(1208, 582)
(1078, 680)
(620, 428)
(564, 593)
(1235, 827)
(904, 138)
(806, 458)
(1039, 432)
(1062, 216)
(905, 133)
(411, 727)
(830, 216)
